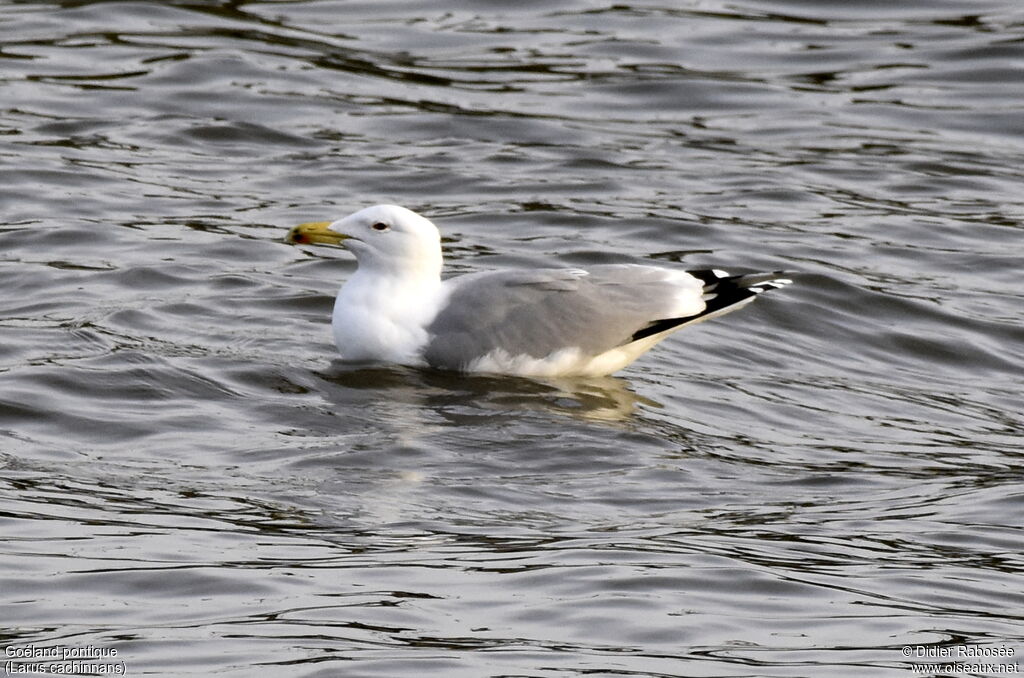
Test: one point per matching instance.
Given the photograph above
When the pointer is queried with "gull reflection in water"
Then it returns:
(603, 399)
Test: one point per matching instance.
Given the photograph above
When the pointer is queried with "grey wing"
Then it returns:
(536, 313)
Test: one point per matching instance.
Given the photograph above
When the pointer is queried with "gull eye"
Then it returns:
(380, 226)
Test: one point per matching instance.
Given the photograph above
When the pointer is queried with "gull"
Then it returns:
(551, 322)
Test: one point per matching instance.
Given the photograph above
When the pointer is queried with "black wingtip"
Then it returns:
(722, 292)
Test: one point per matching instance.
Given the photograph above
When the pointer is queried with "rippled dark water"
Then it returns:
(800, 489)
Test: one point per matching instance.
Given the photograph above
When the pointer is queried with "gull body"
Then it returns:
(543, 323)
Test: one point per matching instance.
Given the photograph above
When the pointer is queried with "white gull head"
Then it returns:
(391, 240)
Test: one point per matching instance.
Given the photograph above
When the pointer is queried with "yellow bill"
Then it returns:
(314, 233)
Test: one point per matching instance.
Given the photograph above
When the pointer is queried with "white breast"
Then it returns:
(382, 319)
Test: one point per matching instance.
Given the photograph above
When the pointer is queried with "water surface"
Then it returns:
(800, 489)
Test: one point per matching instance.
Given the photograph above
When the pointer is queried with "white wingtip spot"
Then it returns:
(769, 285)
